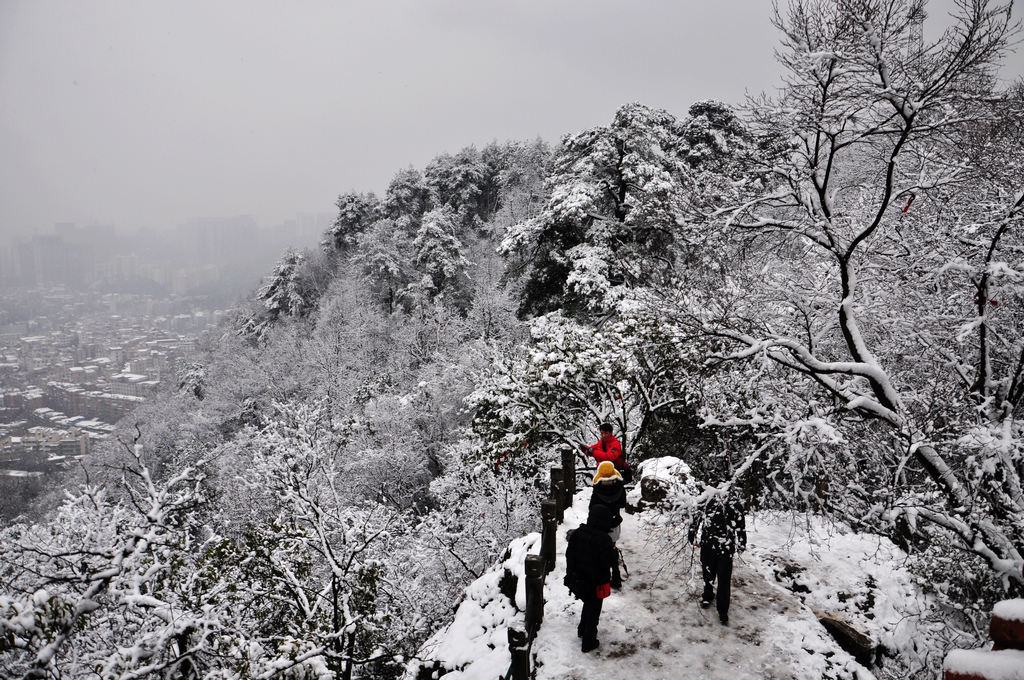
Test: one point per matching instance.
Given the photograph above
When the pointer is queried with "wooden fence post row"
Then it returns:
(552, 512)
(518, 646)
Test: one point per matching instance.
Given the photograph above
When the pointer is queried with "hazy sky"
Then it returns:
(146, 114)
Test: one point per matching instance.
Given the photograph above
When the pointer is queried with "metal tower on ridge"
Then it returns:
(915, 37)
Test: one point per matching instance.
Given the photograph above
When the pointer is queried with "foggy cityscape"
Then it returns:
(94, 321)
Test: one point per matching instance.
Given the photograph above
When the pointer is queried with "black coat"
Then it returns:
(722, 525)
(589, 557)
(612, 495)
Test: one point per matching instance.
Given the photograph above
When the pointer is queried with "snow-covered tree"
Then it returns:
(520, 173)
(407, 198)
(356, 212)
(118, 589)
(615, 200)
(439, 255)
(476, 512)
(330, 577)
(459, 183)
(290, 291)
(846, 317)
(192, 380)
(618, 202)
(571, 379)
(385, 258)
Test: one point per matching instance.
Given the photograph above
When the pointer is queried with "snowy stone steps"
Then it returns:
(982, 664)
(1007, 625)
(1005, 661)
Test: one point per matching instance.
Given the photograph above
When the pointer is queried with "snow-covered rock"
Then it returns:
(660, 479)
(856, 579)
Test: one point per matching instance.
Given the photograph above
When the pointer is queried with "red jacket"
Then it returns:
(608, 448)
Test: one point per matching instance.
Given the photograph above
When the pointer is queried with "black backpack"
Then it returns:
(584, 549)
(574, 580)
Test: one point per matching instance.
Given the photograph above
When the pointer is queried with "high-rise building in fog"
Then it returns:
(25, 253)
(10, 273)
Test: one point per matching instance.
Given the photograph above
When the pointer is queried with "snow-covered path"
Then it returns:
(654, 627)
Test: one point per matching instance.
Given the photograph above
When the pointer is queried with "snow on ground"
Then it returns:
(476, 641)
(654, 627)
(858, 579)
(793, 573)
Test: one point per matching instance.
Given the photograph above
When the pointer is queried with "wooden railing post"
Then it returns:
(534, 592)
(549, 519)
(558, 493)
(569, 475)
(518, 644)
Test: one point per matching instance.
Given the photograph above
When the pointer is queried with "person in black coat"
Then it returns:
(723, 532)
(610, 491)
(589, 556)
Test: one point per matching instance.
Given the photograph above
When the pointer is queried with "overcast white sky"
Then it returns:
(147, 114)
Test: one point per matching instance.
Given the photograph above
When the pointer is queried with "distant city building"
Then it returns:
(41, 448)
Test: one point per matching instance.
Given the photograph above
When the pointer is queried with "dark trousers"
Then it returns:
(589, 618)
(714, 564)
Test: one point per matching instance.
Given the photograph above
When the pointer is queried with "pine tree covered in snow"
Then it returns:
(356, 212)
(618, 202)
(385, 258)
(556, 392)
(407, 198)
(291, 291)
(459, 183)
(439, 254)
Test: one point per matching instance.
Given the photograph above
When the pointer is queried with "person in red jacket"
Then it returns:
(608, 448)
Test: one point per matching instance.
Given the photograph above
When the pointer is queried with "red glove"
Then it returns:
(604, 590)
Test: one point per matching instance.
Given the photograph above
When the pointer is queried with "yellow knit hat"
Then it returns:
(606, 472)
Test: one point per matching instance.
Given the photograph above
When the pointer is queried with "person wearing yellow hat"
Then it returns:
(610, 492)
